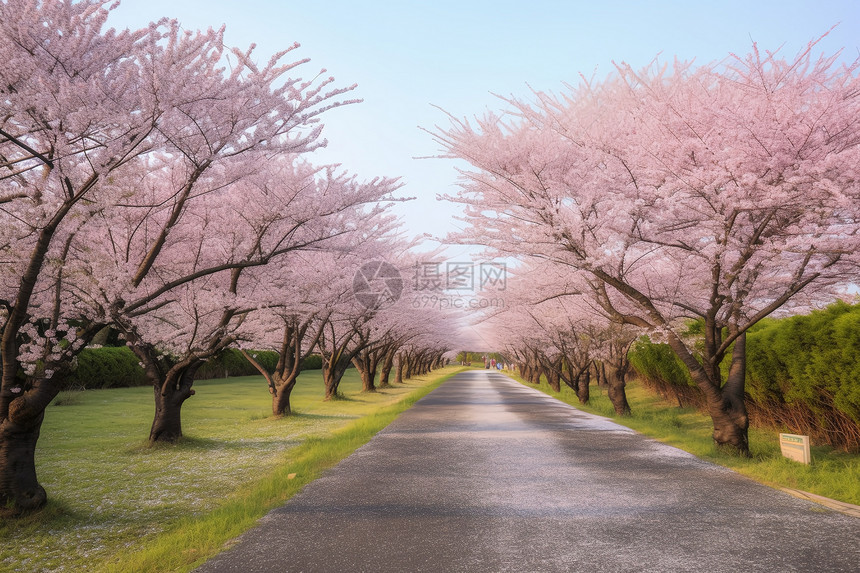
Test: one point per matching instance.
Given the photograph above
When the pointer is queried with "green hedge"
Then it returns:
(232, 363)
(803, 374)
(658, 364)
(313, 362)
(108, 367)
(118, 367)
(809, 358)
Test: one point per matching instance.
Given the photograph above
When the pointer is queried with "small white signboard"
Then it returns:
(795, 447)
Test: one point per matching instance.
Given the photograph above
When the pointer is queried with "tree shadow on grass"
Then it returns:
(55, 514)
(299, 415)
(204, 444)
(185, 443)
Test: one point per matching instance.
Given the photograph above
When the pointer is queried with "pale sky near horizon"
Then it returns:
(409, 56)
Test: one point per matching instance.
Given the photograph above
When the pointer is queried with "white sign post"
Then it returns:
(795, 447)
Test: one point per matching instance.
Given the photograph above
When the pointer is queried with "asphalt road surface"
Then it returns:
(484, 474)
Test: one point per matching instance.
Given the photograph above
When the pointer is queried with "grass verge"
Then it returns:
(832, 474)
(118, 505)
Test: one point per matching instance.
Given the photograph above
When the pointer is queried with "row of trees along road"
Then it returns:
(155, 182)
(724, 192)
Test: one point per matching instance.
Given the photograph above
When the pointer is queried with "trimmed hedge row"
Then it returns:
(118, 367)
(108, 367)
(803, 374)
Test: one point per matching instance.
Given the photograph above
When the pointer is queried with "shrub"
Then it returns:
(109, 367)
(803, 374)
(118, 367)
(313, 362)
(660, 369)
(232, 363)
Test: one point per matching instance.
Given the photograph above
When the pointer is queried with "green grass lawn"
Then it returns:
(832, 474)
(117, 504)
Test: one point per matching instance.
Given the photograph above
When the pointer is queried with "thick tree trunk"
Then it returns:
(553, 379)
(410, 367)
(281, 396)
(726, 405)
(331, 379)
(366, 363)
(616, 391)
(331, 385)
(583, 391)
(385, 370)
(170, 395)
(20, 490)
(731, 424)
(398, 373)
(331, 389)
(368, 382)
(729, 412)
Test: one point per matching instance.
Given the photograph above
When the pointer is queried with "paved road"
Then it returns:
(484, 474)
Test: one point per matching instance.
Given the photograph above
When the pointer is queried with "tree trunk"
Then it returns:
(398, 373)
(169, 397)
(19, 488)
(617, 394)
(332, 375)
(583, 392)
(725, 405)
(385, 371)
(331, 384)
(729, 413)
(535, 372)
(600, 371)
(368, 380)
(410, 367)
(281, 396)
(22, 411)
(366, 362)
(731, 424)
(282, 381)
(553, 379)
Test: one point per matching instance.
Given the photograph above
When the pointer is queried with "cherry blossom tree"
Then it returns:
(101, 129)
(348, 335)
(239, 239)
(291, 323)
(556, 331)
(375, 325)
(68, 91)
(304, 290)
(397, 324)
(721, 193)
(342, 338)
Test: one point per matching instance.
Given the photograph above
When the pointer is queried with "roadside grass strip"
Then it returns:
(117, 504)
(833, 474)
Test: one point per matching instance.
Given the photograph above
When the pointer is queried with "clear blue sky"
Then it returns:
(408, 56)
